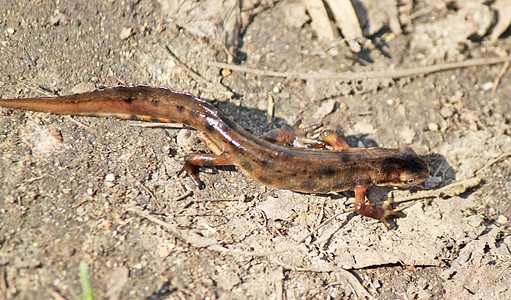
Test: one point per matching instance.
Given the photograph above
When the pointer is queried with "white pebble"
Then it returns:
(487, 86)
(109, 177)
(502, 219)
(432, 126)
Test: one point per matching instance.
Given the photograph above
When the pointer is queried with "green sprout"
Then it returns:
(88, 293)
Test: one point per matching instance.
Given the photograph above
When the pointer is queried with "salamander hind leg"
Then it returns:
(333, 139)
(376, 212)
(294, 136)
(196, 160)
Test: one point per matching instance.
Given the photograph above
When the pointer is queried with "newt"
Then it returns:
(314, 171)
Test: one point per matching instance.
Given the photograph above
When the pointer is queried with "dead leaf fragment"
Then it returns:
(83, 87)
(227, 280)
(219, 21)
(326, 107)
(347, 20)
(320, 22)
(503, 8)
(43, 141)
(125, 33)
(294, 14)
(116, 281)
(276, 208)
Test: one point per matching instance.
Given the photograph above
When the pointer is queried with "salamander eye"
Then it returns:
(406, 179)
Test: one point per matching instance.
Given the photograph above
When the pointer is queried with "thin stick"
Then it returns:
(159, 125)
(368, 74)
(321, 226)
(223, 91)
(493, 161)
(451, 190)
(183, 196)
(496, 82)
(362, 293)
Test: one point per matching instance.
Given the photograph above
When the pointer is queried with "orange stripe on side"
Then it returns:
(163, 120)
(145, 118)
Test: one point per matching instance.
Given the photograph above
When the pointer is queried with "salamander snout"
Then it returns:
(403, 168)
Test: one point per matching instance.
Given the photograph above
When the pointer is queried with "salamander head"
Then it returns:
(404, 168)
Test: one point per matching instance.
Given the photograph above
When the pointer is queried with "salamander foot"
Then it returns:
(192, 171)
(381, 213)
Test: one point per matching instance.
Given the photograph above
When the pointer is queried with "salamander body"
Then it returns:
(317, 171)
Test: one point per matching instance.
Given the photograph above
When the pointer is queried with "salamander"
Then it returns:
(314, 171)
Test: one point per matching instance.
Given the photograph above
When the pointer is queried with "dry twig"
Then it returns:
(215, 88)
(451, 190)
(350, 76)
(496, 81)
(493, 162)
(361, 292)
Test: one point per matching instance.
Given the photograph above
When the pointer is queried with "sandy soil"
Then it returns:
(105, 191)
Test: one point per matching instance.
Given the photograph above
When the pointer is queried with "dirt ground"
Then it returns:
(105, 191)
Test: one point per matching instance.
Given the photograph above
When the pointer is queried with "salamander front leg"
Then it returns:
(196, 160)
(377, 212)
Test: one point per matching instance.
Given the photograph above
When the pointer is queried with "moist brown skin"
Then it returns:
(296, 169)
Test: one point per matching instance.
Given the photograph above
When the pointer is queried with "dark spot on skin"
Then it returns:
(309, 185)
(209, 127)
(327, 171)
(128, 100)
(265, 180)
(267, 163)
(155, 102)
(180, 108)
(345, 158)
(247, 166)
(339, 186)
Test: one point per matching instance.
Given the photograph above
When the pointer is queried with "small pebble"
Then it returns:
(125, 33)
(83, 87)
(487, 86)
(507, 185)
(446, 112)
(54, 20)
(109, 177)
(432, 126)
(80, 211)
(163, 252)
(226, 72)
(502, 220)
(10, 30)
